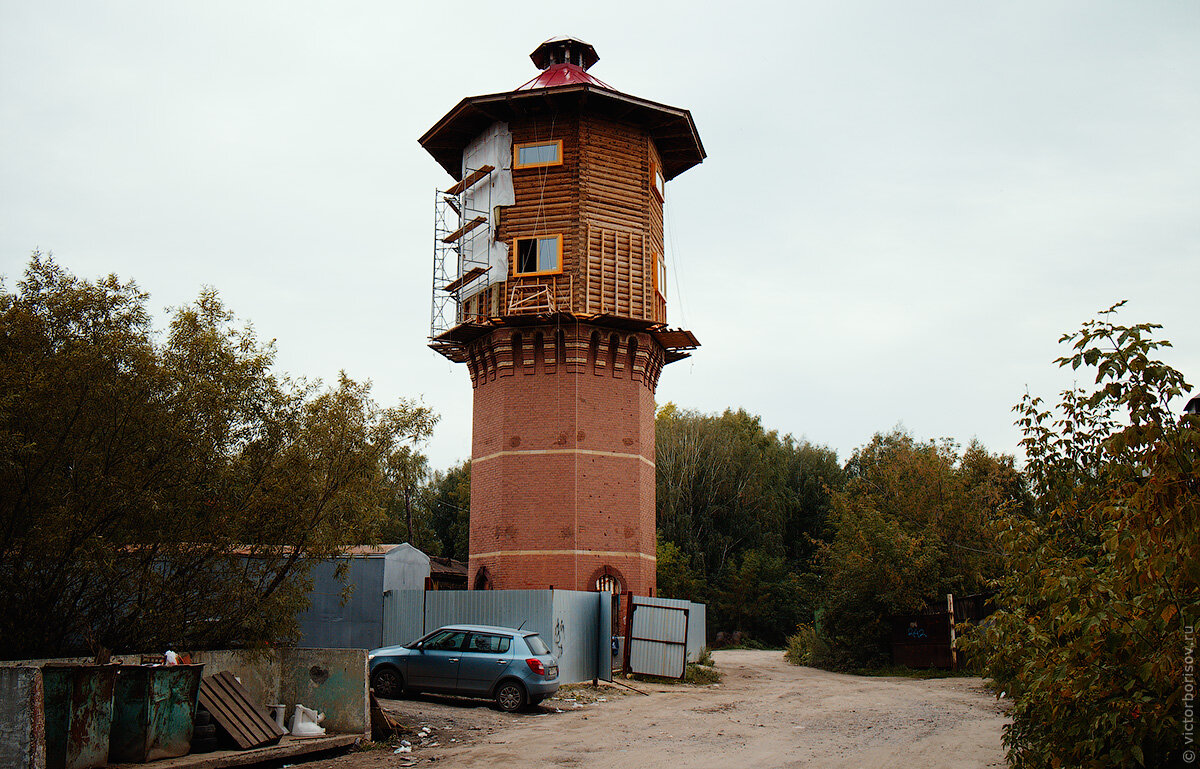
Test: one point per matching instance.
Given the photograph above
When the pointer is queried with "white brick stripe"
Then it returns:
(599, 553)
(592, 452)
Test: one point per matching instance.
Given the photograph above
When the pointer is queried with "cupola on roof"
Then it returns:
(564, 50)
(565, 84)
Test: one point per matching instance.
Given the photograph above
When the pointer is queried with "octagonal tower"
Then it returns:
(549, 283)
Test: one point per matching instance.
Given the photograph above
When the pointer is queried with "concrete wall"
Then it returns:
(330, 681)
(22, 718)
(258, 672)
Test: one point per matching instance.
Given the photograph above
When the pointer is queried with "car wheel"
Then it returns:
(510, 696)
(387, 683)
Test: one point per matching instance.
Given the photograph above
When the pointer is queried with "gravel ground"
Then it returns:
(764, 713)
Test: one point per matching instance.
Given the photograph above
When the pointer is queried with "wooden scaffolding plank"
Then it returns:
(470, 180)
(234, 710)
(463, 280)
(463, 230)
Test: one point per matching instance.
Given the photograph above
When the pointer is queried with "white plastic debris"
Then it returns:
(305, 722)
(402, 749)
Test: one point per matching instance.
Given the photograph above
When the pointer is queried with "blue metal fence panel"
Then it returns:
(403, 616)
(568, 621)
(576, 634)
(357, 623)
(605, 653)
(529, 609)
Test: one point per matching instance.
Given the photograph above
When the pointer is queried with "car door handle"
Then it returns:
(453, 659)
(501, 662)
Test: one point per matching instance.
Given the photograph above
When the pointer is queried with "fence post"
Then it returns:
(628, 630)
(953, 640)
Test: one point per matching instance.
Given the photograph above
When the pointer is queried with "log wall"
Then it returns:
(547, 203)
(599, 199)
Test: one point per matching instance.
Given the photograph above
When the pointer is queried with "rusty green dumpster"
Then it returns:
(154, 711)
(78, 708)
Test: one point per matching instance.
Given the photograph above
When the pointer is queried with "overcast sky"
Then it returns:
(904, 204)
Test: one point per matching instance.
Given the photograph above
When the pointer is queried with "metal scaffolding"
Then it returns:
(463, 231)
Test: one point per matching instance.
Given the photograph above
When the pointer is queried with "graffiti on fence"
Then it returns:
(560, 632)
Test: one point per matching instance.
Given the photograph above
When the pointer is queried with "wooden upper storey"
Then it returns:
(585, 231)
(585, 234)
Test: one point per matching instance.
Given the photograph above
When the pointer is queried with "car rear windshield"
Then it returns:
(536, 644)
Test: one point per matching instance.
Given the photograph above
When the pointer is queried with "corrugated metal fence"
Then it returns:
(569, 621)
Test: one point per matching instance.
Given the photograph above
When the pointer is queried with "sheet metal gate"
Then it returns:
(656, 641)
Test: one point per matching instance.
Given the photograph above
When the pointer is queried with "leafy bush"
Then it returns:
(910, 525)
(801, 645)
(1104, 573)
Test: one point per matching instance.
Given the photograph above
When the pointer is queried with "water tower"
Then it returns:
(550, 284)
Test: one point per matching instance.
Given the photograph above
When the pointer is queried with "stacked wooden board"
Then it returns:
(234, 710)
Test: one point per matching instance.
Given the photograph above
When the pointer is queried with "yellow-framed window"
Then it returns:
(538, 154)
(656, 181)
(541, 255)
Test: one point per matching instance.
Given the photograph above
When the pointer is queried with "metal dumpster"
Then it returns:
(154, 711)
(78, 703)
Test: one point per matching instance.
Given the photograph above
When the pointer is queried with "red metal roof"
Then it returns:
(564, 84)
(563, 74)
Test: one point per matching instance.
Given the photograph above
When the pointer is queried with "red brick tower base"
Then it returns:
(562, 457)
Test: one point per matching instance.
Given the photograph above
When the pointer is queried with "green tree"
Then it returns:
(1103, 574)
(738, 502)
(912, 524)
(408, 518)
(448, 497)
(675, 575)
(168, 492)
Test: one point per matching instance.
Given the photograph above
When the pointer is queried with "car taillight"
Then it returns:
(536, 666)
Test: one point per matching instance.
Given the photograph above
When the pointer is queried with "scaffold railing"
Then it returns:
(463, 232)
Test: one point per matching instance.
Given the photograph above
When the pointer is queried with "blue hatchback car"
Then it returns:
(513, 667)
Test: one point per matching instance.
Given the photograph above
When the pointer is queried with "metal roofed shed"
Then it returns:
(372, 571)
(447, 574)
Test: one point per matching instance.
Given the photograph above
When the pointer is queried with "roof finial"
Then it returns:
(564, 50)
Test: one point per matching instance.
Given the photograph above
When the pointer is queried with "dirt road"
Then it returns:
(765, 713)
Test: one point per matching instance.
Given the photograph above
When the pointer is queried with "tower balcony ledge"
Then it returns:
(677, 343)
